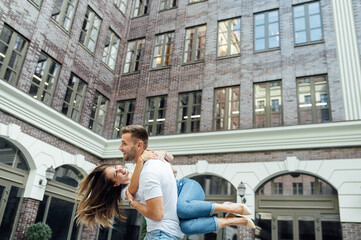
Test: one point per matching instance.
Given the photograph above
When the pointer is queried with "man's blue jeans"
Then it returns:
(195, 214)
(160, 235)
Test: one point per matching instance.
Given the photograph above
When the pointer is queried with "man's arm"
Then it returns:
(153, 210)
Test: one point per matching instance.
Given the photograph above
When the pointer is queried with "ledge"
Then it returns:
(325, 135)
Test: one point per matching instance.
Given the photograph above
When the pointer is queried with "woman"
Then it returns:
(104, 186)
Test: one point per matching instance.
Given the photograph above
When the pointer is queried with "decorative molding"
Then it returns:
(324, 135)
(349, 58)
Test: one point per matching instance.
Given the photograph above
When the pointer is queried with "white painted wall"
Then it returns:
(40, 156)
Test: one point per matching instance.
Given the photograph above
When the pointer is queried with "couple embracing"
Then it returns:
(171, 207)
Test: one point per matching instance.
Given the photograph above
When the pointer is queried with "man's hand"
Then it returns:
(128, 195)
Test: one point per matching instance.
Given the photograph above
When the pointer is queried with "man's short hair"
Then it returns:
(137, 131)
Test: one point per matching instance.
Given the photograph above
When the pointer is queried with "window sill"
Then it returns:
(160, 68)
(192, 63)
(137, 17)
(107, 67)
(165, 10)
(267, 50)
(86, 49)
(59, 26)
(34, 4)
(228, 57)
(196, 2)
(309, 43)
(131, 73)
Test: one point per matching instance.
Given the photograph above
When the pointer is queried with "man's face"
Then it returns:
(130, 147)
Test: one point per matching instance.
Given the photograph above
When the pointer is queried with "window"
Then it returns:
(134, 55)
(278, 188)
(37, 2)
(124, 116)
(167, 4)
(266, 31)
(155, 115)
(98, 113)
(226, 112)
(307, 23)
(110, 52)
(74, 98)
(121, 5)
(268, 104)
(216, 186)
(195, 44)
(12, 156)
(63, 13)
(196, 1)
(44, 79)
(90, 30)
(229, 37)
(12, 54)
(297, 188)
(189, 114)
(163, 50)
(141, 8)
(313, 100)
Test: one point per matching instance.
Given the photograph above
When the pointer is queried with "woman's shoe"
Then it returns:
(250, 223)
(245, 211)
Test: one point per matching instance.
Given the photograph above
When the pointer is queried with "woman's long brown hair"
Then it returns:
(101, 200)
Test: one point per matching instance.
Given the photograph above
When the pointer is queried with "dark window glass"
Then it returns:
(10, 213)
(59, 218)
(68, 175)
(331, 230)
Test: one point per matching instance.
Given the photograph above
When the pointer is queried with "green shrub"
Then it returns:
(38, 231)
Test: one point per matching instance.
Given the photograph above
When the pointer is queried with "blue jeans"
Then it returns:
(194, 213)
(160, 235)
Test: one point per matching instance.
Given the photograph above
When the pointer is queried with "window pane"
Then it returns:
(59, 217)
(285, 229)
(306, 228)
(331, 230)
(316, 34)
(12, 204)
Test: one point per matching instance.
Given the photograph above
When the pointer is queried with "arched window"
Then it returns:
(297, 206)
(12, 156)
(68, 175)
(216, 188)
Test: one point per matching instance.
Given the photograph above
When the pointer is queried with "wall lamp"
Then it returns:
(241, 189)
(49, 175)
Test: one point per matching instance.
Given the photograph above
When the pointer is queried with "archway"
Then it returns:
(14, 171)
(297, 206)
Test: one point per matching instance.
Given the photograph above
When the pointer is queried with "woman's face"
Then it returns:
(118, 174)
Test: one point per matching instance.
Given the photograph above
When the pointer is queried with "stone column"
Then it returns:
(28, 212)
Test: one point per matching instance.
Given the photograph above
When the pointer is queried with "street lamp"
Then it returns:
(241, 189)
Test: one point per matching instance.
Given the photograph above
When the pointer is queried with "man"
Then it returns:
(157, 187)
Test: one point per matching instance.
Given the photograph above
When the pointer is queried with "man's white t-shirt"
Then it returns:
(157, 180)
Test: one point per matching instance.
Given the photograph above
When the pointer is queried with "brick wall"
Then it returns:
(284, 64)
(28, 212)
(269, 156)
(351, 231)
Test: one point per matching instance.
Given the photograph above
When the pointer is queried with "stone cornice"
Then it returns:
(336, 134)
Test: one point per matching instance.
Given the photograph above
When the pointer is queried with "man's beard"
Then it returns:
(131, 155)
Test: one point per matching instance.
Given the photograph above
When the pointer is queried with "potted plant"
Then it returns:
(38, 231)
